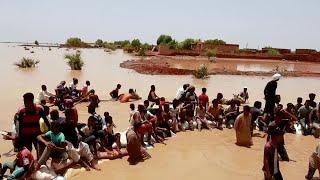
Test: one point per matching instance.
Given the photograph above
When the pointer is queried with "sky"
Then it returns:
(250, 23)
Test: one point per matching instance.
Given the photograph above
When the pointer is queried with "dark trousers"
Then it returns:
(311, 172)
(283, 152)
(29, 141)
(278, 176)
(269, 107)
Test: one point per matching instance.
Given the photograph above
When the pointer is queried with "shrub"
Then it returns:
(110, 46)
(36, 42)
(27, 63)
(75, 42)
(164, 39)
(142, 50)
(202, 72)
(128, 48)
(211, 53)
(99, 43)
(74, 61)
(121, 44)
(186, 44)
(273, 52)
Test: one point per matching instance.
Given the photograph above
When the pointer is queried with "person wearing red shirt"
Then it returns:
(203, 98)
(21, 164)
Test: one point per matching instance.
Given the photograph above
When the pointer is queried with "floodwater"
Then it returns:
(246, 65)
(103, 70)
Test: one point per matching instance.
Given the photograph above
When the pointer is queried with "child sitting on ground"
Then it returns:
(20, 166)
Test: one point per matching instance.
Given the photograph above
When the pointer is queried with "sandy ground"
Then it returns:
(205, 154)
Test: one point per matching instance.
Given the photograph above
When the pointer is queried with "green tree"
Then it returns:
(164, 39)
(174, 44)
(215, 41)
(99, 43)
(136, 43)
(74, 42)
(186, 44)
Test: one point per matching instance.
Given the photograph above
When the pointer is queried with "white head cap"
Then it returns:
(276, 76)
(245, 87)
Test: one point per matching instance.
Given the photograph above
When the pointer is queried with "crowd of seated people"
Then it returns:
(59, 140)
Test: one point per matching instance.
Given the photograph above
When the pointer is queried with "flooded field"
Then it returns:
(103, 70)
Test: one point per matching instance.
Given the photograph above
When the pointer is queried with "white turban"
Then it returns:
(276, 76)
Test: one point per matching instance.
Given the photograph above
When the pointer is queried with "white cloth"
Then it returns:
(82, 151)
(180, 92)
(44, 173)
(43, 95)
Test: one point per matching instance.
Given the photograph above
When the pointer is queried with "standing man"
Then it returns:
(27, 121)
(270, 95)
(204, 99)
(271, 160)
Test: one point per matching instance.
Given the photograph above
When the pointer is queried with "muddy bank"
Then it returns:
(165, 65)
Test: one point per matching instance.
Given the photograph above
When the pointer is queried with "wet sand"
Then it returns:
(184, 65)
(217, 154)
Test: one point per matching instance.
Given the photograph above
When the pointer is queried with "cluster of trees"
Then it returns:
(75, 42)
(185, 44)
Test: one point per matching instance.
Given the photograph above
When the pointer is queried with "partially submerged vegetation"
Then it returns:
(202, 72)
(75, 42)
(26, 63)
(74, 60)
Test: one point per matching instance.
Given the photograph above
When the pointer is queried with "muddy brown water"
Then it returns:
(208, 154)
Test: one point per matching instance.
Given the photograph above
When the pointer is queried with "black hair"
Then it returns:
(28, 96)
(118, 85)
(257, 104)
(204, 90)
(130, 91)
(43, 87)
(132, 106)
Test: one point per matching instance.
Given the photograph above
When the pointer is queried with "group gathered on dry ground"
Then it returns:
(49, 123)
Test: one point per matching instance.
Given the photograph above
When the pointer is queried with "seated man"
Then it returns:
(20, 166)
(257, 113)
(314, 163)
(152, 97)
(85, 91)
(44, 95)
(242, 127)
(244, 95)
(215, 113)
(303, 116)
(93, 98)
(115, 93)
(315, 121)
(231, 113)
(201, 117)
(54, 141)
(135, 151)
(132, 95)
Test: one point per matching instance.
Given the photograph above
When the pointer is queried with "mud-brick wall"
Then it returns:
(223, 48)
(306, 51)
